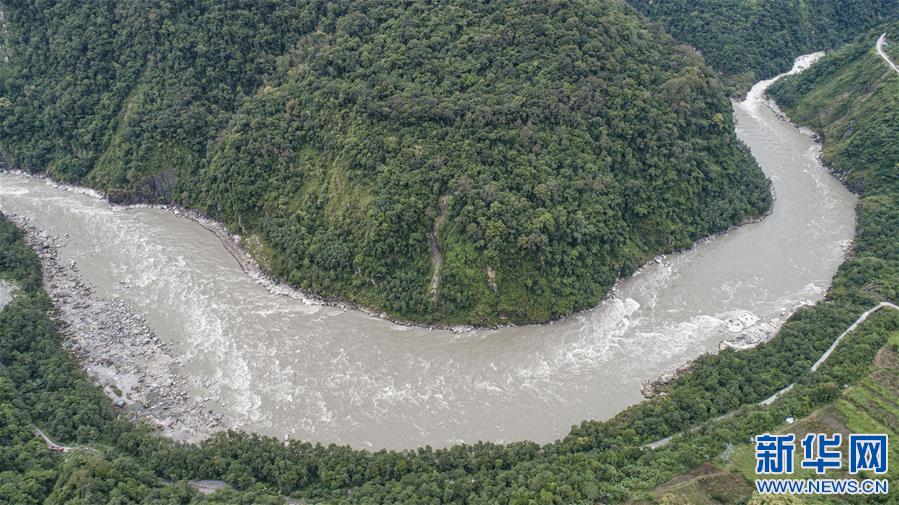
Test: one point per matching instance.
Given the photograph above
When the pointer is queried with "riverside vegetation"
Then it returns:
(750, 41)
(597, 461)
(570, 141)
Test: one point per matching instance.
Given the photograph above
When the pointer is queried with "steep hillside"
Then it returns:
(851, 97)
(747, 41)
(871, 405)
(567, 142)
(125, 96)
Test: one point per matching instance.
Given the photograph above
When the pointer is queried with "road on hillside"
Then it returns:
(768, 401)
(53, 446)
(883, 53)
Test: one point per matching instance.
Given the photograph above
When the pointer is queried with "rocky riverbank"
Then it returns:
(119, 350)
(840, 174)
(234, 244)
(6, 293)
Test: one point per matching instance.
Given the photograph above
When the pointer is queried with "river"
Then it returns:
(280, 365)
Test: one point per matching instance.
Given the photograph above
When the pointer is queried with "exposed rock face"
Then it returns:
(6, 292)
(658, 386)
(119, 350)
(4, 33)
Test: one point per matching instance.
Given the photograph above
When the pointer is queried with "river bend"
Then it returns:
(280, 366)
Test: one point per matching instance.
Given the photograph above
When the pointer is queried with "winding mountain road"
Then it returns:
(771, 399)
(53, 446)
(883, 53)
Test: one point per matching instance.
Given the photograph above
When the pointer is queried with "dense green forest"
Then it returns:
(596, 462)
(458, 162)
(747, 41)
(121, 463)
(850, 96)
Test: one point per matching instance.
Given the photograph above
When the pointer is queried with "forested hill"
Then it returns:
(747, 41)
(851, 97)
(458, 162)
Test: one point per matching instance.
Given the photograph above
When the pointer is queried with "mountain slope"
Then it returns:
(569, 142)
(750, 41)
(851, 97)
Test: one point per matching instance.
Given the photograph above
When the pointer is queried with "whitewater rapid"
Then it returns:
(286, 366)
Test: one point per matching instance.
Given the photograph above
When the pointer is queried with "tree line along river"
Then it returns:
(285, 366)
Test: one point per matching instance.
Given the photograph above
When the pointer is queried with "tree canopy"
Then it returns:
(747, 41)
(41, 385)
(569, 141)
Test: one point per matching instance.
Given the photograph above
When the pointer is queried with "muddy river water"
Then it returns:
(281, 365)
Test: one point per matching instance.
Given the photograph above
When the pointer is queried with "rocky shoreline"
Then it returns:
(117, 347)
(234, 245)
(743, 341)
(840, 174)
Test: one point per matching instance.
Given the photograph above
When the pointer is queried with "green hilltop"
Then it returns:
(458, 162)
(850, 96)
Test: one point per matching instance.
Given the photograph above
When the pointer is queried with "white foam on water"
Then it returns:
(6, 191)
(283, 365)
(756, 94)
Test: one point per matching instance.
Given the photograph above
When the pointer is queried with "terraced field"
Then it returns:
(869, 406)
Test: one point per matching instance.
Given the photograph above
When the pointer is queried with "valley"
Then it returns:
(288, 366)
(357, 252)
